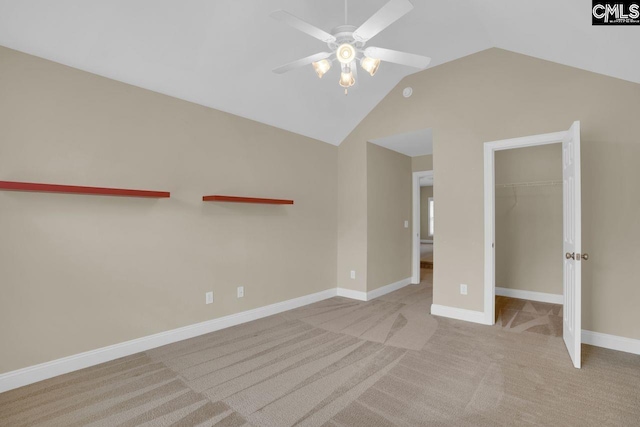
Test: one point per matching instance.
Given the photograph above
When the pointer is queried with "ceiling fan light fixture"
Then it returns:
(347, 44)
(370, 65)
(347, 79)
(346, 53)
(321, 67)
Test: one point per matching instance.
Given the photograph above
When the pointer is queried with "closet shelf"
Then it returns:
(529, 184)
(237, 199)
(74, 189)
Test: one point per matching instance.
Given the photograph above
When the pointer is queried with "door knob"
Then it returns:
(585, 257)
(571, 255)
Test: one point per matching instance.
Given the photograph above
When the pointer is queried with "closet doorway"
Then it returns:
(568, 253)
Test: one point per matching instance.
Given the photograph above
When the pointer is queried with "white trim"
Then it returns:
(489, 208)
(459, 314)
(489, 235)
(530, 295)
(388, 288)
(368, 296)
(350, 293)
(426, 241)
(527, 141)
(613, 342)
(415, 239)
(429, 214)
(43, 371)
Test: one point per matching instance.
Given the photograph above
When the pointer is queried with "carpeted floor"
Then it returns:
(519, 315)
(347, 363)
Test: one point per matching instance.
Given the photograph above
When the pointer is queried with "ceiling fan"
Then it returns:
(347, 44)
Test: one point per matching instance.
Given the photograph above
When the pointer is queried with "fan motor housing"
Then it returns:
(344, 34)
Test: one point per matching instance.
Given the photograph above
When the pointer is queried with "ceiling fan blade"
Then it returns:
(303, 26)
(397, 57)
(387, 15)
(301, 62)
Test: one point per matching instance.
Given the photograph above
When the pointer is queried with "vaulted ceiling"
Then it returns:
(220, 53)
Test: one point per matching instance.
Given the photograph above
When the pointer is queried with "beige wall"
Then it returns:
(422, 163)
(352, 216)
(496, 94)
(354, 209)
(529, 219)
(388, 206)
(82, 272)
(425, 193)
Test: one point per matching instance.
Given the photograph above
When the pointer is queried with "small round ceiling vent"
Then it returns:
(407, 92)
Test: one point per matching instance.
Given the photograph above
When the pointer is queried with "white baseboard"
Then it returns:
(459, 314)
(350, 293)
(368, 296)
(388, 288)
(426, 241)
(43, 371)
(530, 295)
(613, 342)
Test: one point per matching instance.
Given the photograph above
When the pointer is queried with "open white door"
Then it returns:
(572, 226)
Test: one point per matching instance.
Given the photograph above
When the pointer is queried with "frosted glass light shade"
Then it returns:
(321, 67)
(370, 65)
(347, 79)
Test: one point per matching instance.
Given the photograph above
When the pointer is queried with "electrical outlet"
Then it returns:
(240, 291)
(463, 289)
(406, 224)
(353, 274)
(209, 297)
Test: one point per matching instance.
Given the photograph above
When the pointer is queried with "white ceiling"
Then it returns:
(220, 53)
(426, 181)
(412, 144)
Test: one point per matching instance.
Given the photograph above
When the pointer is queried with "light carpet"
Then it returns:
(341, 362)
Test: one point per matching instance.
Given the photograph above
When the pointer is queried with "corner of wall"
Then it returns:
(389, 207)
(352, 215)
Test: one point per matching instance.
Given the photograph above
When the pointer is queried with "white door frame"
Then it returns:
(489, 209)
(415, 252)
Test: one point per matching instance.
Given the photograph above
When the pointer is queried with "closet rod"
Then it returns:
(529, 184)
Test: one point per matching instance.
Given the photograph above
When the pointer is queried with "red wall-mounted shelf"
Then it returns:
(73, 189)
(235, 199)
